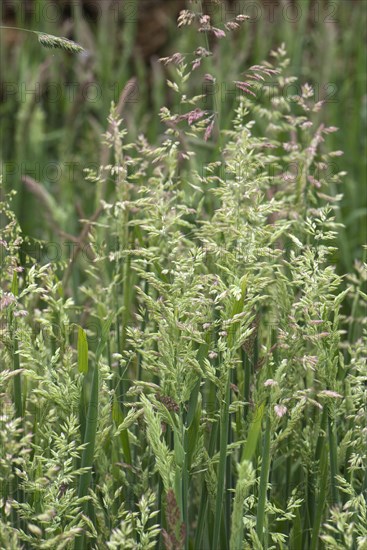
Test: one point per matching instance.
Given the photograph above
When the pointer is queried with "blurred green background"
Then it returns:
(54, 104)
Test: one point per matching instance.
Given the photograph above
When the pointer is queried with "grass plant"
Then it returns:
(195, 376)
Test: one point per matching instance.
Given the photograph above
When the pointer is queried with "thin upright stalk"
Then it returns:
(204, 494)
(246, 383)
(224, 423)
(91, 427)
(18, 492)
(264, 477)
(321, 499)
(333, 451)
(17, 379)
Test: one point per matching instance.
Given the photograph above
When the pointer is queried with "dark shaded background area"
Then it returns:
(152, 17)
(54, 105)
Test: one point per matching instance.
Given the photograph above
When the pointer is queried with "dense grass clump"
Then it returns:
(205, 387)
(54, 104)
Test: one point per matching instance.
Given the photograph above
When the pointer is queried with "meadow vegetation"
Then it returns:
(190, 373)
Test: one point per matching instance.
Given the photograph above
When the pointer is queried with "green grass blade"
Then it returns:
(91, 424)
(264, 477)
(321, 500)
(82, 351)
(224, 423)
(253, 433)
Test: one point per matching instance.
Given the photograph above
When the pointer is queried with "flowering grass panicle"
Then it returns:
(205, 385)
